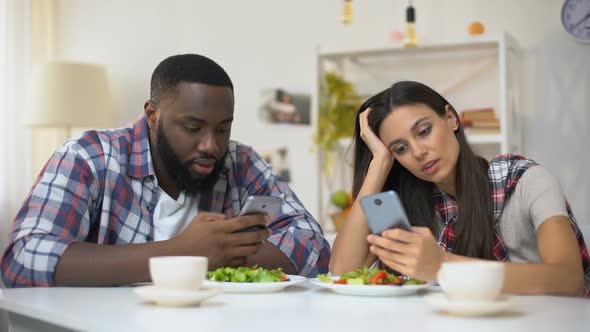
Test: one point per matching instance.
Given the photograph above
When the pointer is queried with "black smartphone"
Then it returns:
(260, 204)
(385, 211)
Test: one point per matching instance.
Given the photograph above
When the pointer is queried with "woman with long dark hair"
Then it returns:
(408, 138)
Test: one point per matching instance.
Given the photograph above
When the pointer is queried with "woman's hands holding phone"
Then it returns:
(415, 254)
(380, 152)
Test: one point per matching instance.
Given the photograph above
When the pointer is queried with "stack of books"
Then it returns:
(480, 121)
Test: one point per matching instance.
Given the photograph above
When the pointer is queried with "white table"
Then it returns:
(297, 309)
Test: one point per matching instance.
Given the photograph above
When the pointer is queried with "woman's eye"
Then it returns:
(425, 131)
(400, 149)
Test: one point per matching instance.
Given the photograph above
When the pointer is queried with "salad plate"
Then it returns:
(251, 279)
(369, 290)
(255, 287)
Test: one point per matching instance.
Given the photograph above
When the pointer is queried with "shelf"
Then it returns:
(485, 45)
(471, 73)
(485, 139)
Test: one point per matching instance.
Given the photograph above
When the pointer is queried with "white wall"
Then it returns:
(265, 43)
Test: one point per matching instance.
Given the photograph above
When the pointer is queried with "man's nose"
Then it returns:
(207, 142)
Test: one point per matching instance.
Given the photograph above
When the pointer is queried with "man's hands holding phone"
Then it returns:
(265, 205)
(217, 237)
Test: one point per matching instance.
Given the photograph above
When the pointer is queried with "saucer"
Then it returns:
(173, 297)
(469, 308)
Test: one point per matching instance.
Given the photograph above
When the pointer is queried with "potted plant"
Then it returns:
(338, 104)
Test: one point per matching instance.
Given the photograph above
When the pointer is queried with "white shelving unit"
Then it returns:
(473, 73)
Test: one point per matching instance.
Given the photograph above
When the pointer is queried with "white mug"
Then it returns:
(178, 272)
(471, 281)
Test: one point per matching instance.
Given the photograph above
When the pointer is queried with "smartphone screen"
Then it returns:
(385, 211)
(260, 204)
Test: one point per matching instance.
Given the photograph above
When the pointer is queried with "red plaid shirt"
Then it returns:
(504, 172)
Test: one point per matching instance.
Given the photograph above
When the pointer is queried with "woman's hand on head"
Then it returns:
(378, 149)
(415, 254)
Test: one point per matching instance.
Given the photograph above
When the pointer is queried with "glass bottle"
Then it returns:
(410, 36)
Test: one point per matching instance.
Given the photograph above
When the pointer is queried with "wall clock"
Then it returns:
(575, 18)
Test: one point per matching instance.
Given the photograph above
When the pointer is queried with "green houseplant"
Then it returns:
(338, 104)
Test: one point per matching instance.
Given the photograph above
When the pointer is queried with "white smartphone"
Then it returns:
(385, 211)
(260, 204)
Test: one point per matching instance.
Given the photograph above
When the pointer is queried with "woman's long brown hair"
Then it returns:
(474, 230)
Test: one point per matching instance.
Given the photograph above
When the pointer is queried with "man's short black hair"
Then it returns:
(192, 68)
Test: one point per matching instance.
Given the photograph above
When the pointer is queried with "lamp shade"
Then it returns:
(66, 94)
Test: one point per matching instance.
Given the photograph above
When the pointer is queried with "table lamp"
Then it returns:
(68, 95)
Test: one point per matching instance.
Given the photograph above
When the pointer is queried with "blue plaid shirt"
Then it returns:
(102, 188)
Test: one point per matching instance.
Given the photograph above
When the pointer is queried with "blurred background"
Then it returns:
(266, 45)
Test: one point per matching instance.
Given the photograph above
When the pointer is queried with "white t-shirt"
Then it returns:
(172, 216)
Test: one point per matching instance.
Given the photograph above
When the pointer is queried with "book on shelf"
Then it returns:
(482, 130)
(487, 113)
(488, 123)
(481, 121)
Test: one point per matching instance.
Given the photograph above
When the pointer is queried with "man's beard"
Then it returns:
(180, 172)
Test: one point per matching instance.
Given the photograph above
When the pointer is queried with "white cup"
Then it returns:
(471, 281)
(178, 272)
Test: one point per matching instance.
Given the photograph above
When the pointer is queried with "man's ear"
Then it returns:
(151, 113)
(451, 117)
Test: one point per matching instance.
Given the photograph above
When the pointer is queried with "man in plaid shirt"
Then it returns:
(171, 184)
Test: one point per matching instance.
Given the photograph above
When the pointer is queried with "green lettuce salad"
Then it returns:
(247, 274)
